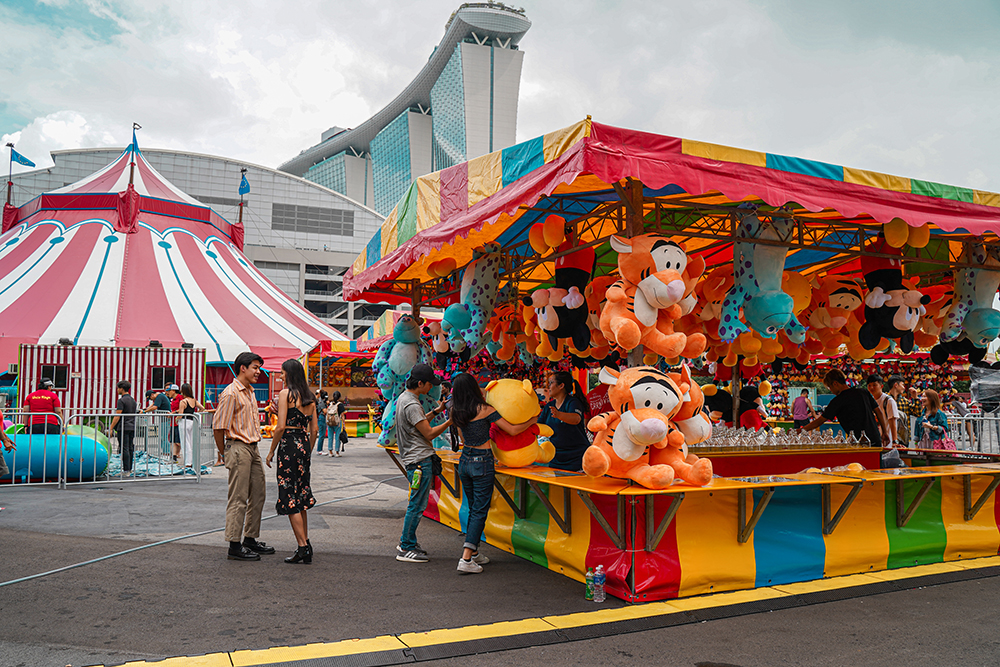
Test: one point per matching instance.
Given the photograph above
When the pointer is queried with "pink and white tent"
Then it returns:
(107, 262)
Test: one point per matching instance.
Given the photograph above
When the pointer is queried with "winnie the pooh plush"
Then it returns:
(517, 402)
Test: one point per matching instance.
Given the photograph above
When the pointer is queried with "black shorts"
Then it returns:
(799, 423)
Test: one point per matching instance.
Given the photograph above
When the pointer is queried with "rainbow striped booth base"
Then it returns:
(736, 533)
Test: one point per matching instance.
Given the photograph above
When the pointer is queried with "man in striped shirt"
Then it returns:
(236, 426)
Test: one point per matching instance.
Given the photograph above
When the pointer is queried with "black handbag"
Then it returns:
(343, 436)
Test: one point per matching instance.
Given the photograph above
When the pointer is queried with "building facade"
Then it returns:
(300, 234)
(461, 105)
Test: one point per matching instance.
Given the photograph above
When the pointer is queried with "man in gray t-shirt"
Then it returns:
(414, 435)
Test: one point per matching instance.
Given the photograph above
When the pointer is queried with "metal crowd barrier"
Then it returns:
(85, 450)
(976, 432)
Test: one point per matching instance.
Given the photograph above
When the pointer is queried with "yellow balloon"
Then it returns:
(897, 232)
(536, 238)
(554, 230)
(919, 236)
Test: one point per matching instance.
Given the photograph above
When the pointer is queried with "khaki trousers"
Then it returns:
(246, 490)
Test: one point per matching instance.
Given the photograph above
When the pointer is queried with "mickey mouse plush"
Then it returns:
(891, 310)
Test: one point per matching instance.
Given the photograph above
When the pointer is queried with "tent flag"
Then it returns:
(244, 185)
(20, 159)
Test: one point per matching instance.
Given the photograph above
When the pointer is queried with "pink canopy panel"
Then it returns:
(106, 262)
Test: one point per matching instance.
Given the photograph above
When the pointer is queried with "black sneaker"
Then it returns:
(411, 556)
(418, 549)
(243, 554)
(257, 547)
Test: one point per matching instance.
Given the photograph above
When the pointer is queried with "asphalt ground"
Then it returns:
(186, 598)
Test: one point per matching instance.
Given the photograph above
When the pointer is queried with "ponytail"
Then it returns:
(566, 379)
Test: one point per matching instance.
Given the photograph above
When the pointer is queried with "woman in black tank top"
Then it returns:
(473, 416)
(186, 423)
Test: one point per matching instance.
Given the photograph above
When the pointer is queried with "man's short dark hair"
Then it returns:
(411, 383)
(805, 391)
(245, 359)
(894, 379)
(874, 378)
(125, 386)
(834, 375)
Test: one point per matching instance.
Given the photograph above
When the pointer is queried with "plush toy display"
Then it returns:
(766, 308)
(561, 310)
(833, 300)
(891, 309)
(971, 316)
(517, 402)
(596, 296)
(644, 400)
(477, 295)
(393, 362)
(652, 280)
(505, 331)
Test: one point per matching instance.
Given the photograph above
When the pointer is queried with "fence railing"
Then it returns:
(79, 447)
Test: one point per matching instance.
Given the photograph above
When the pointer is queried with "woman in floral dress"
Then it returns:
(294, 439)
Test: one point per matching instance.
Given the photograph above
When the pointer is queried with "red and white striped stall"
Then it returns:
(86, 377)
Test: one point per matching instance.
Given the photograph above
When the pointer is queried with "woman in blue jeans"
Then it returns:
(473, 416)
(321, 419)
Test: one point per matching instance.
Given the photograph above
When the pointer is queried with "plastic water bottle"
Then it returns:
(415, 481)
(589, 595)
(599, 579)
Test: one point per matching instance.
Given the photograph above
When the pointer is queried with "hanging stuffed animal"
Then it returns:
(972, 316)
(759, 268)
(392, 364)
(834, 298)
(644, 400)
(478, 295)
(562, 312)
(651, 270)
(696, 342)
(891, 309)
(596, 295)
(504, 328)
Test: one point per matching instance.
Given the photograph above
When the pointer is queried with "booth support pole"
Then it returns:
(635, 225)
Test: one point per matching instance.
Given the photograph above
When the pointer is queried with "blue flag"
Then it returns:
(20, 159)
(244, 185)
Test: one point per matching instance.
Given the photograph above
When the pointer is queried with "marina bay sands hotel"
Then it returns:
(461, 105)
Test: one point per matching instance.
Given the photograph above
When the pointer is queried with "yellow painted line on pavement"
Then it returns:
(270, 656)
(279, 654)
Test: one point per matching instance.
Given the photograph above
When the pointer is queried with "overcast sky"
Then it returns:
(911, 89)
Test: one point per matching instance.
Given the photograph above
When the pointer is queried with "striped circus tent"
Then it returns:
(123, 257)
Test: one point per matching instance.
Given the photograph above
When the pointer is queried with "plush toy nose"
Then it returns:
(645, 432)
(675, 290)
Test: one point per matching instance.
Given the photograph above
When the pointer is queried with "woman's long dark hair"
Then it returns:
(467, 400)
(565, 378)
(186, 391)
(295, 382)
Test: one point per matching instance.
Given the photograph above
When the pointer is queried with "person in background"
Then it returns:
(7, 444)
(125, 411)
(187, 406)
(912, 409)
(236, 428)
(933, 424)
(321, 396)
(961, 408)
(47, 411)
(173, 393)
(335, 422)
(158, 403)
(854, 408)
(566, 412)
(414, 435)
(802, 410)
(887, 404)
(293, 440)
(476, 468)
(897, 390)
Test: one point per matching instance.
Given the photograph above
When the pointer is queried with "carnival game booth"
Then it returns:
(734, 256)
(122, 273)
(339, 365)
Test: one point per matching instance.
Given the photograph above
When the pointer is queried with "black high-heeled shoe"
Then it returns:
(301, 555)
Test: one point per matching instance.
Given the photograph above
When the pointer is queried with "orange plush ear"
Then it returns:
(492, 384)
(621, 246)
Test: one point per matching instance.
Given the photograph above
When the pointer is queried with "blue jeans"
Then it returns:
(418, 502)
(334, 433)
(476, 470)
(321, 428)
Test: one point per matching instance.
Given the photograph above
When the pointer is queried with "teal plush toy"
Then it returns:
(392, 364)
(757, 289)
(972, 312)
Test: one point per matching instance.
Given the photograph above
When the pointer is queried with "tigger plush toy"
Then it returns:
(652, 279)
(644, 400)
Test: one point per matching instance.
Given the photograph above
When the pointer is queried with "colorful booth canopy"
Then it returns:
(107, 262)
(687, 188)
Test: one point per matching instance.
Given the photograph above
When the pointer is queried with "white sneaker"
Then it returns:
(469, 566)
(481, 558)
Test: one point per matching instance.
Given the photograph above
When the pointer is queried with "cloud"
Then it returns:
(260, 81)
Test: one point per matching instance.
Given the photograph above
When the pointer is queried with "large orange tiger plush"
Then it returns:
(644, 400)
(652, 280)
